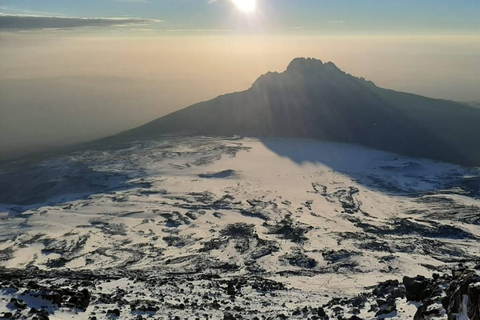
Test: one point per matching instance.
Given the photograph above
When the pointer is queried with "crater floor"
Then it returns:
(210, 227)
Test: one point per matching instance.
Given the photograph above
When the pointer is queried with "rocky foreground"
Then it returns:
(37, 294)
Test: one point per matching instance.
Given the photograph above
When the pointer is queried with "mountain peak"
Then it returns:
(301, 72)
(303, 64)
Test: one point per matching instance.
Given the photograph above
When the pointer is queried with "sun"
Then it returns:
(245, 5)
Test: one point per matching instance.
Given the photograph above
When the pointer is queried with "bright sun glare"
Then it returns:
(245, 5)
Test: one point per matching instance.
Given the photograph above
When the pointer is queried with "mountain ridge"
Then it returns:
(312, 99)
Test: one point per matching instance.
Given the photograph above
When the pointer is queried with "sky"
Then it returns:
(270, 16)
(75, 70)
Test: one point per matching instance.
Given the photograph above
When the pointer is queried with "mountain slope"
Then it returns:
(317, 100)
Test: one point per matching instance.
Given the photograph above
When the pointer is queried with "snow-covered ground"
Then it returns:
(323, 219)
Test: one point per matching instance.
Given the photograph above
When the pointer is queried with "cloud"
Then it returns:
(29, 22)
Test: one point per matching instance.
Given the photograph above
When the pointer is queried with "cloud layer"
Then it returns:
(29, 22)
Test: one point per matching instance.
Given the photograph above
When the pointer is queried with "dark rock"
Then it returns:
(299, 259)
(386, 309)
(389, 288)
(288, 229)
(359, 301)
(18, 304)
(381, 302)
(336, 256)
(423, 311)
(228, 316)
(33, 285)
(115, 312)
(415, 287)
(321, 312)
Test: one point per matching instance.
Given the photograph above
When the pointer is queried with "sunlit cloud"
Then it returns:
(31, 22)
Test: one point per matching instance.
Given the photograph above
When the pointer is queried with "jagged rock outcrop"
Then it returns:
(457, 296)
(463, 295)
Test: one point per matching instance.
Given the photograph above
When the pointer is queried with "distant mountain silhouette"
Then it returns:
(317, 100)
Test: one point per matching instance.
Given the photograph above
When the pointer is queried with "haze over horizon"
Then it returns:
(75, 71)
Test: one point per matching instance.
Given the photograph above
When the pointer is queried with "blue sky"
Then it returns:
(275, 16)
